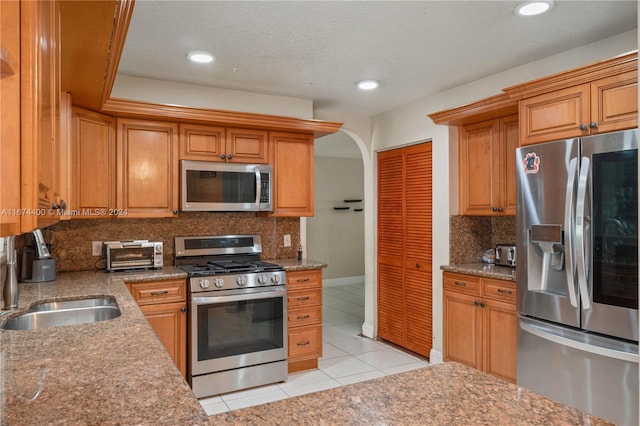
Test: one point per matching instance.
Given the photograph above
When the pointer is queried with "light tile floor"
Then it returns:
(347, 358)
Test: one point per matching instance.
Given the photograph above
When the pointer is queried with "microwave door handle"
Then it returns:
(568, 234)
(258, 186)
(582, 224)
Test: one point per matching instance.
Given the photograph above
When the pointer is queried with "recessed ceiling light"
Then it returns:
(534, 7)
(367, 84)
(200, 57)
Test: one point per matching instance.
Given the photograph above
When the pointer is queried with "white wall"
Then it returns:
(172, 93)
(409, 124)
(337, 236)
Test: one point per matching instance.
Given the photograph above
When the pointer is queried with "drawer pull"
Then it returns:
(304, 343)
(461, 284)
(303, 298)
(301, 317)
(302, 280)
(159, 293)
(500, 290)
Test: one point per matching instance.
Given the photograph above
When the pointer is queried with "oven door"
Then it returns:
(237, 329)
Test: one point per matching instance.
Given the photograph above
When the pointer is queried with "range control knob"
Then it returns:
(204, 284)
(275, 279)
(262, 279)
(218, 282)
(241, 280)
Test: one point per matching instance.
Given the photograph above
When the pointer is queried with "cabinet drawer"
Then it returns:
(305, 341)
(304, 316)
(149, 293)
(301, 279)
(462, 283)
(503, 291)
(302, 298)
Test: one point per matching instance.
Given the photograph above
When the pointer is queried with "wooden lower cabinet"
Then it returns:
(164, 304)
(304, 319)
(480, 323)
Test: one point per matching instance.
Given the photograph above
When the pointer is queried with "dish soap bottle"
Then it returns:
(300, 253)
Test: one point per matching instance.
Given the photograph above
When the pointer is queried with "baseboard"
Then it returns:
(334, 282)
(367, 330)
(435, 357)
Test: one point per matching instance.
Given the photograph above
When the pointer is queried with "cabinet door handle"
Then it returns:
(475, 302)
(494, 209)
(303, 298)
(159, 293)
(500, 290)
(302, 280)
(593, 125)
(500, 209)
(174, 211)
(482, 304)
(460, 283)
(222, 156)
(229, 156)
(583, 127)
(301, 317)
(304, 343)
(183, 309)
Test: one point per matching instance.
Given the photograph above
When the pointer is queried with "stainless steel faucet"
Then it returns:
(10, 289)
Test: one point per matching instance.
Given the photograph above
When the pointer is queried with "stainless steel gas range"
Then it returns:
(237, 314)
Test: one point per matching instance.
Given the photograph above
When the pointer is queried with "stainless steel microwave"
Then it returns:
(225, 187)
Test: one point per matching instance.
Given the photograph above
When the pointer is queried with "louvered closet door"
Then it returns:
(390, 246)
(417, 238)
(404, 247)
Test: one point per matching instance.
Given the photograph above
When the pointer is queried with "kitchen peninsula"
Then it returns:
(117, 372)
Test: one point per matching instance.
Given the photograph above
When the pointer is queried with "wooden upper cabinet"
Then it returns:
(614, 103)
(93, 157)
(232, 145)
(292, 158)
(487, 167)
(10, 119)
(147, 168)
(598, 98)
(204, 143)
(247, 146)
(39, 114)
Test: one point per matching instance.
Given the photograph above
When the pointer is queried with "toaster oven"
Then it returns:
(135, 254)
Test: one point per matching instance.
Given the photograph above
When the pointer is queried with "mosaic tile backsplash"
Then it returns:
(470, 236)
(71, 240)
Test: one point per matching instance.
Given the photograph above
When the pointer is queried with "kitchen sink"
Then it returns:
(65, 312)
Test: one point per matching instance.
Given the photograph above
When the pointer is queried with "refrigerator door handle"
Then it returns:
(581, 346)
(581, 225)
(568, 234)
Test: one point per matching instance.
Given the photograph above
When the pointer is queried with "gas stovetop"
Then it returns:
(229, 266)
(228, 262)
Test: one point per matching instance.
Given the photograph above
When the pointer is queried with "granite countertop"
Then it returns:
(109, 372)
(293, 264)
(483, 270)
(443, 394)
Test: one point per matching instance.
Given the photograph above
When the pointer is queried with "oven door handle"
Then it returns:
(208, 300)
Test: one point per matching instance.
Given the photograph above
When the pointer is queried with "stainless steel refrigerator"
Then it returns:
(577, 273)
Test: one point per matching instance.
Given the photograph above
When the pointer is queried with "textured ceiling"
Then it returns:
(318, 50)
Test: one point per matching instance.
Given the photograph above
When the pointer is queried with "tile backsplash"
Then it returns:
(470, 236)
(71, 240)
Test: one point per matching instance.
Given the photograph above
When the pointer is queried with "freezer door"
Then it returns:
(610, 227)
(547, 176)
(595, 374)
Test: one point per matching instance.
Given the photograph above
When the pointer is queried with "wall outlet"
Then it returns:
(287, 240)
(96, 248)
